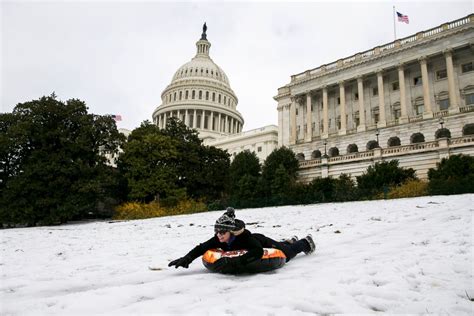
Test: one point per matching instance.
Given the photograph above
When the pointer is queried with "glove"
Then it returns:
(227, 265)
(181, 262)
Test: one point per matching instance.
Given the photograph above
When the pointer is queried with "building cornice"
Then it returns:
(376, 53)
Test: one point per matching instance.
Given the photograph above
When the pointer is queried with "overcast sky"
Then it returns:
(118, 56)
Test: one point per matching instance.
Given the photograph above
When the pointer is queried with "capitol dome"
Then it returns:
(200, 96)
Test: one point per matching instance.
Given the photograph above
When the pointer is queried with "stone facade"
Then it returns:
(262, 141)
(385, 103)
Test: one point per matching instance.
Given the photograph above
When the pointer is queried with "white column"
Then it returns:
(164, 120)
(453, 93)
(342, 98)
(325, 113)
(360, 90)
(382, 116)
(186, 117)
(158, 121)
(428, 112)
(225, 124)
(403, 102)
(309, 118)
(202, 118)
(194, 119)
(293, 121)
(219, 123)
(211, 125)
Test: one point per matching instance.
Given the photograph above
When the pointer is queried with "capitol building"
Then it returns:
(411, 100)
(201, 97)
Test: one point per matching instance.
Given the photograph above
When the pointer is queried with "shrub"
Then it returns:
(382, 175)
(137, 210)
(410, 188)
(454, 175)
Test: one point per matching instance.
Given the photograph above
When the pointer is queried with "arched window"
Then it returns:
(468, 129)
(393, 141)
(316, 154)
(213, 96)
(225, 99)
(186, 94)
(193, 95)
(333, 152)
(180, 94)
(372, 144)
(174, 99)
(300, 157)
(207, 95)
(417, 138)
(443, 133)
(219, 98)
(200, 94)
(352, 148)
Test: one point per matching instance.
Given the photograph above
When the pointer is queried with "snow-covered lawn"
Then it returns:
(398, 256)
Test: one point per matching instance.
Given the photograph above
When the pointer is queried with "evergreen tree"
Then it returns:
(454, 175)
(52, 165)
(284, 159)
(245, 164)
(146, 163)
(381, 176)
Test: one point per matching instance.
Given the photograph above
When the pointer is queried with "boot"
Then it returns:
(312, 245)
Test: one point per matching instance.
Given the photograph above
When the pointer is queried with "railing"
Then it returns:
(417, 118)
(441, 113)
(390, 46)
(391, 151)
(468, 108)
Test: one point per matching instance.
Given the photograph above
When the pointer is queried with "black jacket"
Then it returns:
(245, 240)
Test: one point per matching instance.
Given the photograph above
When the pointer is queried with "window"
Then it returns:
(207, 95)
(225, 99)
(395, 86)
(213, 96)
(338, 100)
(259, 149)
(441, 74)
(419, 108)
(466, 67)
(417, 81)
(186, 94)
(219, 98)
(200, 95)
(443, 104)
(296, 111)
(194, 94)
(469, 98)
(174, 98)
(180, 94)
(356, 96)
(375, 91)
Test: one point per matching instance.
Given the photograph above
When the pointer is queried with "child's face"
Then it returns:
(223, 237)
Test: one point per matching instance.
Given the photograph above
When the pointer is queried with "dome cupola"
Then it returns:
(200, 96)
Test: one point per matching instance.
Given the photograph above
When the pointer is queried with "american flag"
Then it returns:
(402, 18)
(117, 117)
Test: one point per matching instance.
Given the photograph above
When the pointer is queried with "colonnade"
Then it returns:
(362, 125)
(208, 120)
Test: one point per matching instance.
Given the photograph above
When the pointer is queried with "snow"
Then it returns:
(399, 256)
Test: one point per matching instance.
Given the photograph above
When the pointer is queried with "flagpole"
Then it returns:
(394, 25)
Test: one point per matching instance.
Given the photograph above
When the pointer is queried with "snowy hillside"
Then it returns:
(399, 256)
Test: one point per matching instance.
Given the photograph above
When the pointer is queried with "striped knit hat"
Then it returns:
(228, 222)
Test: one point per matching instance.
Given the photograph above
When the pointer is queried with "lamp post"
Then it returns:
(441, 122)
(377, 133)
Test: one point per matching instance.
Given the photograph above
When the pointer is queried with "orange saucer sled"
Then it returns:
(272, 259)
